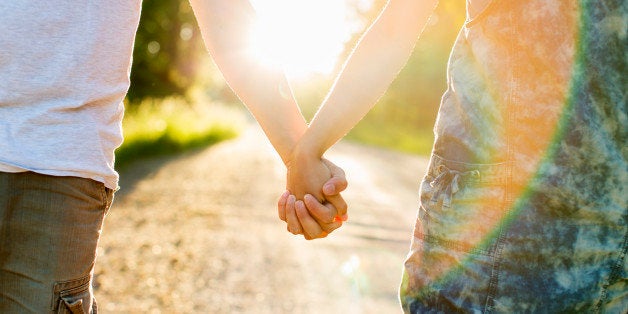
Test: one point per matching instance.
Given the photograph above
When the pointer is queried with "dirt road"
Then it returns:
(199, 233)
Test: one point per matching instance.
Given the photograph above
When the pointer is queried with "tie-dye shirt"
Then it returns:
(524, 207)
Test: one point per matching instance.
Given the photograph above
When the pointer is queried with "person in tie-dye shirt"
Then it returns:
(523, 207)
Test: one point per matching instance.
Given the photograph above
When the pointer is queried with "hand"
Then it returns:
(332, 188)
(312, 218)
(307, 174)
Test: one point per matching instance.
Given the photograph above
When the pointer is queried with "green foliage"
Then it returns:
(168, 49)
(161, 127)
(402, 138)
(170, 60)
(407, 111)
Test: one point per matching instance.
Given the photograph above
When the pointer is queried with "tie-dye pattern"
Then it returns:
(523, 208)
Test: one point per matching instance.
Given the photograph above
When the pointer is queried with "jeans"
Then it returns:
(473, 253)
(49, 231)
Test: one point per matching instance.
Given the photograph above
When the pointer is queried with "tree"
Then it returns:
(168, 48)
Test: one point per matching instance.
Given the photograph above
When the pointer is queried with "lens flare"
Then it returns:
(302, 36)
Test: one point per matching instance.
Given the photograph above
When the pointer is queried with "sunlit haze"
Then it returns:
(303, 36)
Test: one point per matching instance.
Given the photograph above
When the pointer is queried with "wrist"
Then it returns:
(302, 154)
(308, 148)
(288, 150)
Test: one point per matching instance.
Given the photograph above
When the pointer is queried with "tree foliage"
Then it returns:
(415, 95)
(168, 48)
(404, 116)
(170, 59)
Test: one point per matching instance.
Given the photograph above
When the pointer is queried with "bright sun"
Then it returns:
(303, 36)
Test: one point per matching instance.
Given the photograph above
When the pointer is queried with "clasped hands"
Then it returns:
(312, 205)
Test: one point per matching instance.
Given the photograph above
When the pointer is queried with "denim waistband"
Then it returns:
(495, 173)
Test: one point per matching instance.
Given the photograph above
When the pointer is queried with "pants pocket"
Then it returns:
(462, 205)
(74, 297)
(452, 263)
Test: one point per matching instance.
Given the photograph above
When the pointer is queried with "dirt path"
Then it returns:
(198, 233)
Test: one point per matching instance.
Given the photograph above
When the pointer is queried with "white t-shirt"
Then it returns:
(64, 71)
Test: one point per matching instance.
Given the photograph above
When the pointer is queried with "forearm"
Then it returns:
(264, 90)
(375, 62)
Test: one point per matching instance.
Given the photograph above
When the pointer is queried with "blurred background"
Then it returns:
(172, 73)
(194, 228)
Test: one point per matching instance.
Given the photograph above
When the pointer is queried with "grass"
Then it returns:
(168, 126)
(397, 137)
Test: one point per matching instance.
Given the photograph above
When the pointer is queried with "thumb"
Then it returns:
(338, 181)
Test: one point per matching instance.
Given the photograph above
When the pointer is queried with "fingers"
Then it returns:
(311, 228)
(338, 181)
(322, 213)
(325, 215)
(332, 188)
(340, 206)
(281, 205)
(299, 220)
(294, 226)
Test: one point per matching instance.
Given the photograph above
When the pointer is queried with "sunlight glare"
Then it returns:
(303, 36)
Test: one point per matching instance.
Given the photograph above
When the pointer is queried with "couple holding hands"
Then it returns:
(374, 63)
(523, 208)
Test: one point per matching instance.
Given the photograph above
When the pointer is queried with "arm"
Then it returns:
(375, 62)
(378, 57)
(264, 90)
